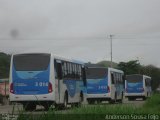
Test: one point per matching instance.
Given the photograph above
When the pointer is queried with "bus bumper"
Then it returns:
(21, 98)
(94, 96)
(134, 94)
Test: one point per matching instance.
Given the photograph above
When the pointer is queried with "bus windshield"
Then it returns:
(96, 73)
(31, 62)
(134, 78)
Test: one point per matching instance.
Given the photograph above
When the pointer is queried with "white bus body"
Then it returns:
(137, 86)
(61, 83)
(109, 88)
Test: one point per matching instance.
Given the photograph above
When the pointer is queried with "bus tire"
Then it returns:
(81, 98)
(56, 106)
(144, 98)
(47, 106)
(131, 98)
(99, 101)
(121, 100)
(111, 101)
(115, 97)
(65, 103)
(90, 101)
(29, 106)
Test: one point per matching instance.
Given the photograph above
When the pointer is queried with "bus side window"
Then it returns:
(59, 71)
(115, 78)
(112, 78)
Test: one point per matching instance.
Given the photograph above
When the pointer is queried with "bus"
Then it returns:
(104, 84)
(137, 86)
(45, 79)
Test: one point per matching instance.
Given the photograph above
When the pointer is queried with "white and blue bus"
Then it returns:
(44, 79)
(137, 86)
(104, 84)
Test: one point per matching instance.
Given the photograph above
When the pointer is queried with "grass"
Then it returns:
(153, 103)
(97, 112)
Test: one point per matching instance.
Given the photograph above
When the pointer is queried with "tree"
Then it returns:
(4, 65)
(154, 73)
(131, 67)
(134, 67)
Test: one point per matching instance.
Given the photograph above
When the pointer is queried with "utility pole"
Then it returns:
(111, 36)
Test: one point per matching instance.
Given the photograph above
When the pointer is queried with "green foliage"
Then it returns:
(4, 65)
(134, 67)
(107, 64)
(98, 112)
(154, 72)
(153, 102)
(131, 67)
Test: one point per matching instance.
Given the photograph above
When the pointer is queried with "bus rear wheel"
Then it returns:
(29, 106)
(131, 98)
(81, 99)
(65, 103)
(47, 107)
(121, 100)
(112, 101)
(144, 98)
(90, 101)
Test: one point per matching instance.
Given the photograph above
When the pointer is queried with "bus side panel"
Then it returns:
(74, 87)
(116, 85)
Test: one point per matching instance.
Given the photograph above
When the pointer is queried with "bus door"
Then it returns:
(58, 69)
(112, 76)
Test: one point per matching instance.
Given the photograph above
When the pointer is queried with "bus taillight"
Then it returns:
(11, 88)
(50, 87)
(108, 88)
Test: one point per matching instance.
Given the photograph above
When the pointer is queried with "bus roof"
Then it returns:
(139, 75)
(115, 70)
(111, 69)
(53, 55)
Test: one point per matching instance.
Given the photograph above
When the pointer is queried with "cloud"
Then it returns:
(80, 28)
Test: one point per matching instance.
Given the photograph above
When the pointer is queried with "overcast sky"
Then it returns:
(80, 29)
